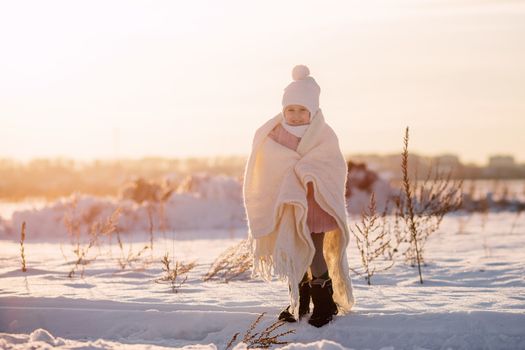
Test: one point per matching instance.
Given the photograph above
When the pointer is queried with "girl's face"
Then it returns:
(296, 115)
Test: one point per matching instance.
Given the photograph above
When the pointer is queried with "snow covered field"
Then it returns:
(473, 296)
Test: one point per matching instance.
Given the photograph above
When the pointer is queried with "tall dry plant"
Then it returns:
(423, 205)
(233, 263)
(372, 240)
(263, 339)
(172, 274)
(96, 230)
(22, 239)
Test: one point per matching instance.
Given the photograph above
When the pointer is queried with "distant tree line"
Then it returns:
(53, 178)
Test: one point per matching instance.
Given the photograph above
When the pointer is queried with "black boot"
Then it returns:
(324, 305)
(304, 302)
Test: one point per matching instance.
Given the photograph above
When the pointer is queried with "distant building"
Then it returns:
(447, 159)
(502, 167)
(501, 162)
(389, 166)
(447, 162)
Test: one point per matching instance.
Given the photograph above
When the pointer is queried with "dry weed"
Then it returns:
(264, 339)
(171, 275)
(372, 240)
(232, 263)
(422, 206)
(129, 258)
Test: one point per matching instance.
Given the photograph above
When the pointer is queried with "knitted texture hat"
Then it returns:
(303, 90)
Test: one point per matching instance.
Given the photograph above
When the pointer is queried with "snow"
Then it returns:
(201, 202)
(181, 211)
(473, 296)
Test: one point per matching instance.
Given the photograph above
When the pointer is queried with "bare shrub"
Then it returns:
(264, 339)
(173, 275)
(234, 262)
(423, 206)
(372, 240)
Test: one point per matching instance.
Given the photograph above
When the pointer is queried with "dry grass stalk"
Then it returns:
(129, 258)
(150, 221)
(232, 263)
(22, 239)
(96, 230)
(398, 235)
(73, 222)
(232, 340)
(410, 218)
(154, 195)
(159, 206)
(162, 211)
(423, 206)
(172, 274)
(264, 339)
(372, 240)
(394, 226)
(62, 251)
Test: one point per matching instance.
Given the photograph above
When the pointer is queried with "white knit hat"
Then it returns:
(303, 90)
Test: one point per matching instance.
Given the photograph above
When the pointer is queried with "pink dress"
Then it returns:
(317, 220)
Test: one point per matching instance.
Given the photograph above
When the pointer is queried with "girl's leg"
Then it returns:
(321, 286)
(318, 266)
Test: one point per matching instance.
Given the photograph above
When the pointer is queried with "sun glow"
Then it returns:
(129, 79)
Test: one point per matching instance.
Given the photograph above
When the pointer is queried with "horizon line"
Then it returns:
(347, 155)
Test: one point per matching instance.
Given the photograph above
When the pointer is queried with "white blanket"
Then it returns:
(275, 188)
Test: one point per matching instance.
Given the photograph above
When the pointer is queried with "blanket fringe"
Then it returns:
(280, 265)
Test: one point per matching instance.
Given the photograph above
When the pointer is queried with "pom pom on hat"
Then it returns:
(300, 72)
(303, 90)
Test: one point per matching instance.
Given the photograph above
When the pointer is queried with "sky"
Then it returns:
(106, 79)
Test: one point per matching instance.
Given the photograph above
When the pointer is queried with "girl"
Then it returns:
(294, 185)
